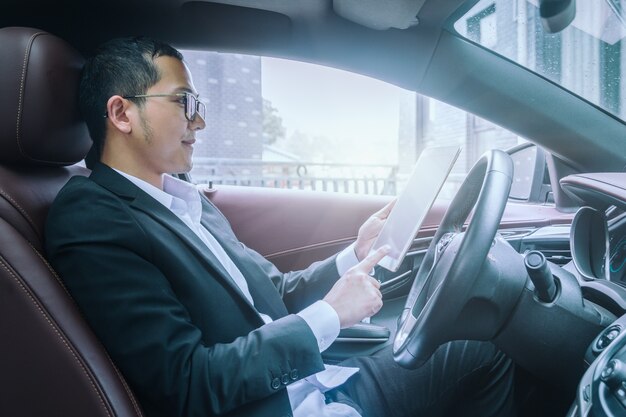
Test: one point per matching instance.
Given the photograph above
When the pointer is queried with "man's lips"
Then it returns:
(189, 141)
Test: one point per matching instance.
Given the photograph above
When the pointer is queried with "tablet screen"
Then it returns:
(406, 217)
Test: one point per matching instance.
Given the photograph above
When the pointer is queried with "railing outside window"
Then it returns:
(373, 179)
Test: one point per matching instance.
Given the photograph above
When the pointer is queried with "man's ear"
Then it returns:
(118, 114)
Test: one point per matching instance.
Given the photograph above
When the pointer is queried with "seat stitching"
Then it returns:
(22, 81)
(19, 107)
(20, 209)
(54, 273)
(126, 387)
(10, 271)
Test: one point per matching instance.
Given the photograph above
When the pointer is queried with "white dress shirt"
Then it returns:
(306, 395)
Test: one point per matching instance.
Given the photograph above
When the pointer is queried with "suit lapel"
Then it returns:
(140, 200)
(265, 295)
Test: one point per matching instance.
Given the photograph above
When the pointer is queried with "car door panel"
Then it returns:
(293, 228)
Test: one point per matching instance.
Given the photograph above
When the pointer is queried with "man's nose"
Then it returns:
(197, 123)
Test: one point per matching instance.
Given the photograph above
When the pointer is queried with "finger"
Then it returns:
(373, 258)
(384, 212)
(375, 282)
(376, 292)
(376, 308)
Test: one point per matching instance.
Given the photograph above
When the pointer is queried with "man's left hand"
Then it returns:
(369, 231)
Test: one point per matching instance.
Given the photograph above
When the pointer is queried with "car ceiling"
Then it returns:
(409, 43)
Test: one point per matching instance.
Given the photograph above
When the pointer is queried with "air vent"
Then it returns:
(559, 257)
(552, 241)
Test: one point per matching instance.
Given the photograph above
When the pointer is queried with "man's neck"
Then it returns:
(130, 167)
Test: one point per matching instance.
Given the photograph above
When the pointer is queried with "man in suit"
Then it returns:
(198, 323)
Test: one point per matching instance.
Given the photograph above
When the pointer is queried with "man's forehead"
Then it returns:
(175, 74)
(171, 66)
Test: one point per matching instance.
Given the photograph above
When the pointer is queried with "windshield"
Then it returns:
(586, 58)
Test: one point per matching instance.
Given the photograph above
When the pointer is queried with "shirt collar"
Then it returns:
(177, 195)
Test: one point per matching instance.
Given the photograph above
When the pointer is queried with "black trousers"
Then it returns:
(462, 378)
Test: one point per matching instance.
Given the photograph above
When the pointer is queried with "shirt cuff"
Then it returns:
(346, 259)
(323, 321)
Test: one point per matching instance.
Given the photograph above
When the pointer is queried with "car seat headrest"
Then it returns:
(39, 117)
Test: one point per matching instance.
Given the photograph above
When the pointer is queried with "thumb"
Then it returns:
(383, 213)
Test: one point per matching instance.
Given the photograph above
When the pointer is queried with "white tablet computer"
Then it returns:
(406, 217)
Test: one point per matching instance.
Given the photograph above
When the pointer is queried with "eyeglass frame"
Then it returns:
(190, 113)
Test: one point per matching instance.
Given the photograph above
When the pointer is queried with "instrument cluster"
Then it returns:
(617, 249)
(598, 242)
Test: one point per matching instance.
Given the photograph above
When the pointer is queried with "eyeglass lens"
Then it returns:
(193, 106)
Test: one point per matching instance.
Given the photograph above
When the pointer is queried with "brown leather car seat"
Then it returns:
(51, 364)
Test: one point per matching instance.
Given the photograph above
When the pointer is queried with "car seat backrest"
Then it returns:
(51, 364)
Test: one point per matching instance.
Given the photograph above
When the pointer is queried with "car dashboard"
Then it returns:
(598, 247)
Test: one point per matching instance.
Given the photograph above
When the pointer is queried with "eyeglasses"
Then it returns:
(193, 106)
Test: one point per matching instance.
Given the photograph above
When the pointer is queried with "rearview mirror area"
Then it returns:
(556, 15)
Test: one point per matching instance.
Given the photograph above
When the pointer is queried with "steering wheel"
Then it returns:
(460, 290)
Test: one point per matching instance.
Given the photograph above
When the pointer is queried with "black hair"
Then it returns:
(123, 66)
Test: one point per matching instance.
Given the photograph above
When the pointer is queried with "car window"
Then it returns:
(287, 124)
(585, 58)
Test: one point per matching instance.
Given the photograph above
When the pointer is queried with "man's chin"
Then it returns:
(183, 169)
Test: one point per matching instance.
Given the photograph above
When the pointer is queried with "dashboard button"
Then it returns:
(614, 374)
(607, 337)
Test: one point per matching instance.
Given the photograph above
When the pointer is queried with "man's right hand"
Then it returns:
(356, 294)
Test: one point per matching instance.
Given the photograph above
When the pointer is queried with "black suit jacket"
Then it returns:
(174, 322)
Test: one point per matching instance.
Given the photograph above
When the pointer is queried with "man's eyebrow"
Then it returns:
(186, 90)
